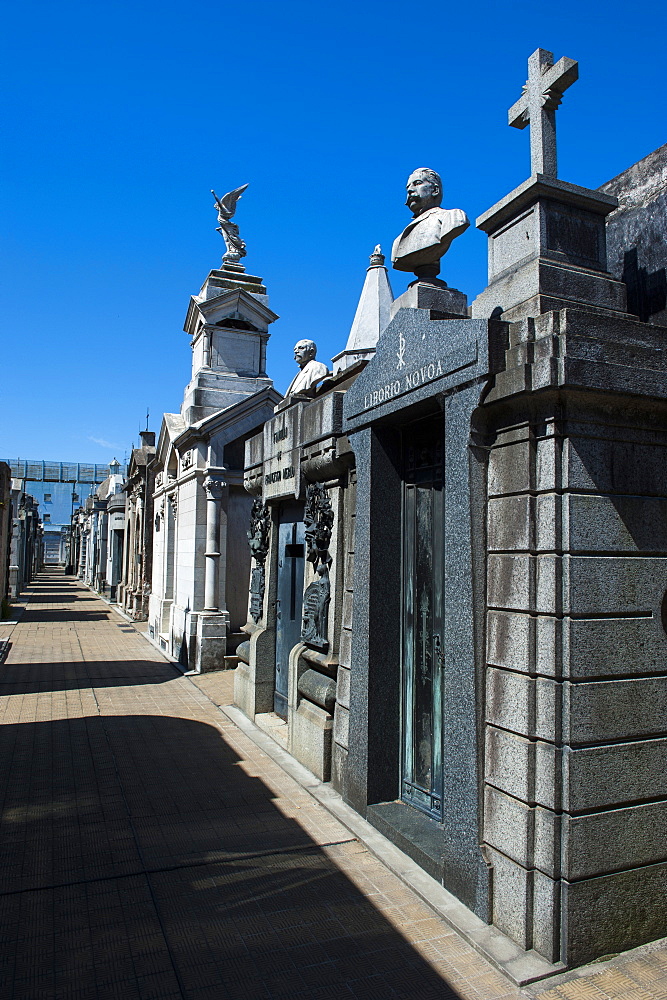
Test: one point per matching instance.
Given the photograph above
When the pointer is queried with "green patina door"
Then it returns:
(289, 604)
(422, 625)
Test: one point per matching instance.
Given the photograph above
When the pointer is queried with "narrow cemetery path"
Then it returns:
(151, 850)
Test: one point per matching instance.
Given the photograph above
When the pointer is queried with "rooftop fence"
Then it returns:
(59, 472)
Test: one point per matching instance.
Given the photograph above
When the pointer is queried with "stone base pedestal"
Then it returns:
(211, 641)
(159, 614)
(447, 303)
(309, 738)
(540, 285)
(547, 250)
(254, 680)
(309, 721)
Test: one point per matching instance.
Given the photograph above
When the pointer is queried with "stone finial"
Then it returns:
(542, 94)
(377, 257)
(226, 207)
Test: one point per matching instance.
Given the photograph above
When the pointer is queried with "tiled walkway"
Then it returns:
(151, 850)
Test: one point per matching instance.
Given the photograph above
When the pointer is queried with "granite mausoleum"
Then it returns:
(135, 584)
(457, 606)
(98, 534)
(294, 665)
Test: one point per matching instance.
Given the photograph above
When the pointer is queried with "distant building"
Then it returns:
(58, 488)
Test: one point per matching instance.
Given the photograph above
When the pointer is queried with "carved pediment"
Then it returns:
(236, 323)
(237, 304)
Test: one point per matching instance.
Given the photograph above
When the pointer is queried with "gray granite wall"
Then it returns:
(636, 245)
(341, 732)
(575, 802)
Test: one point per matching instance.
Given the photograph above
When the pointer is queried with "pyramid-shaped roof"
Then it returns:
(371, 317)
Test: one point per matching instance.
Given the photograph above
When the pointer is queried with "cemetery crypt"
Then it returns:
(459, 541)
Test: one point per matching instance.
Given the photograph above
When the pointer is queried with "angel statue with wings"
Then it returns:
(230, 231)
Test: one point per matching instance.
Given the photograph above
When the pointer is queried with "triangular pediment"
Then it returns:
(172, 425)
(234, 304)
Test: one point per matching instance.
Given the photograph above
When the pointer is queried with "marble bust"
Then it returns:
(433, 229)
(311, 370)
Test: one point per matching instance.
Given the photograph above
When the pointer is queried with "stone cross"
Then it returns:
(542, 93)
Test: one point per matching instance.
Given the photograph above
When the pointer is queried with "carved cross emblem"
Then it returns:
(542, 94)
(400, 354)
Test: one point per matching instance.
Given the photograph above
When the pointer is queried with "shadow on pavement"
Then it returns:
(68, 675)
(140, 859)
(50, 615)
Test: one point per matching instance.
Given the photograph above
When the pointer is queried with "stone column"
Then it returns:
(214, 489)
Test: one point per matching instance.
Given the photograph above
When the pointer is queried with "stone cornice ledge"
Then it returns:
(539, 186)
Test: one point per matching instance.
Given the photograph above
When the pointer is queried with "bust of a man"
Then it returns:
(311, 370)
(432, 230)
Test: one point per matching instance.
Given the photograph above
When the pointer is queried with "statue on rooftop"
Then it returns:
(226, 207)
(312, 371)
(433, 229)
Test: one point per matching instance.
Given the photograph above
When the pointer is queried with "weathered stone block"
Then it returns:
(509, 468)
(322, 418)
(526, 769)
(602, 711)
(341, 729)
(608, 465)
(529, 835)
(522, 704)
(345, 647)
(620, 523)
(509, 639)
(545, 907)
(618, 839)
(509, 579)
(309, 738)
(509, 523)
(343, 687)
(547, 464)
(639, 771)
(512, 891)
(613, 913)
(610, 646)
(548, 585)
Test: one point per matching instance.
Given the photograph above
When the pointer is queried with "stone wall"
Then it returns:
(636, 245)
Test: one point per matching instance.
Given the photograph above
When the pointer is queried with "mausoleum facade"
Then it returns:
(457, 606)
(201, 561)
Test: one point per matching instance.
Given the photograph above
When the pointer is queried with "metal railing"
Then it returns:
(59, 472)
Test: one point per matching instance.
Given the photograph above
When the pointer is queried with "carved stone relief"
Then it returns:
(258, 540)
(318, 519)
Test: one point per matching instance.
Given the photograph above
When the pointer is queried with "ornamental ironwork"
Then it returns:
(318, 523)
(258, 540)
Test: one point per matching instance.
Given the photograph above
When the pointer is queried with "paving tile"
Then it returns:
(151, 851)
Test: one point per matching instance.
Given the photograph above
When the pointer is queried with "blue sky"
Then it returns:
(119, 118)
